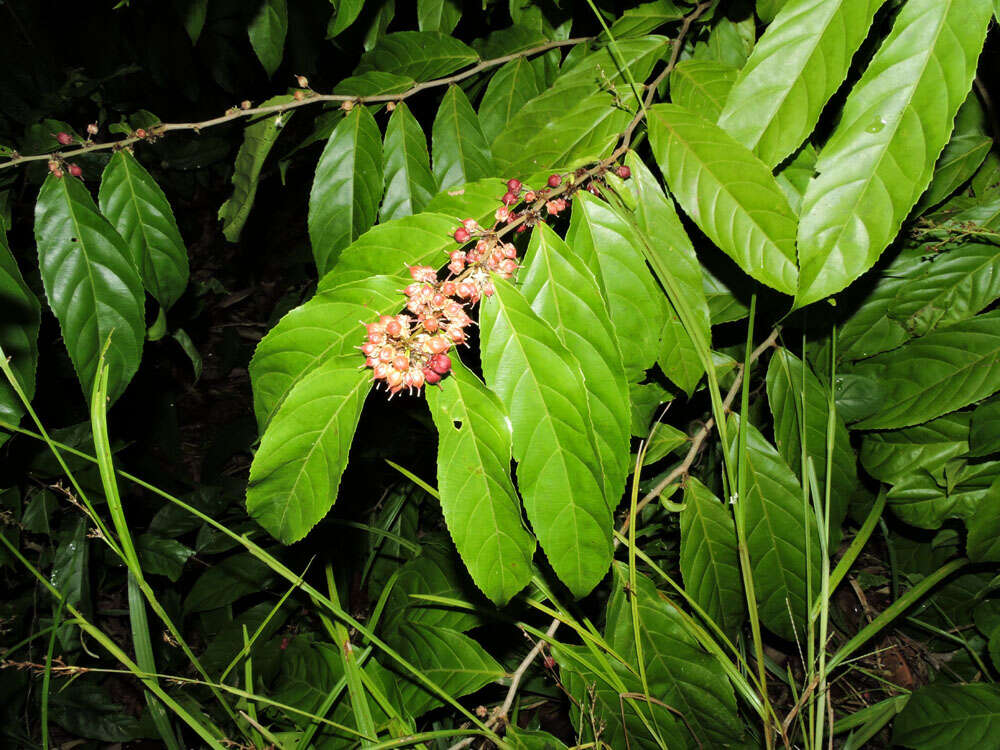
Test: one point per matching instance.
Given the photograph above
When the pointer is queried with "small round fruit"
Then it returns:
(461, 235)
(74, 169)
(514, 185)
(441, 364)
(64, 138)
(624, 172)
(555, 181)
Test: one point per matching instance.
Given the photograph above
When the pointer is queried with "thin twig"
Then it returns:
(310, 97)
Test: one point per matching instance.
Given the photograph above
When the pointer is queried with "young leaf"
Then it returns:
(943, 371)
(776, 527)
(18, 335)
(327, 326)
(678, 671)
(565, 294)
(461, 153)
(267, 32)
(138, 208)
(409, 184)
(90, 282)
(480, 506)
(797, 65)
(728, 192)
(510, 88)
(881, 155)
(422, 55)
(785, 388)
(702, 86)
(610, 247)
(708, 558)
(558, 470)
(347, 187)
(258, 139)
(949, 716)
(303, 452)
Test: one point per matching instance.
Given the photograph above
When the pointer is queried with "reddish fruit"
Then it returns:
(448, 288)
(401, 363)
(514, 185)
(140, 133)
(57, 173)
(298, 95)
(441, 364)
(470, 224)
(624, 172)
(431, 377)
(502, 214)
(555, 181)
(461, 235)
(438, 345)
(509, 198)
(64, 138)
(394, 379)
(393, 328)
(74, 169)
(416, 378)
(530, 196)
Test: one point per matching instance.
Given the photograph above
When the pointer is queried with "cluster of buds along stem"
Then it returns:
(409, 350)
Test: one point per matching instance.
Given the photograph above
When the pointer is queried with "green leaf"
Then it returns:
(258, 139)
(344, 15)
(984, 437)
(452, 660)
(892, 455)
(422, 55)
(644, 19)
(728, 192)
(797, 65)
(139, 210)
(347, 187)
(881, 155)
(438, 15)
(923, 501)
(267, 32)
(434, 573)
(731, 39)
(669, 251)
(646, 399)
(943, 371)
(983, 542)
(768, 9)
(461, 153)
(612, 250)
(702, 86)
(194, 14)
(18, 335)
(480, 506)
(565, 294)
(965, 152)
(70, 572)
(476, 199)
(510, 41)
(558, 471)
(950, 716)
(161, 556)
(228, 581)
(678, 357)
(678, 671)
(955, 285)
(776, 528)
(708, 557)
(794, 175)
(90, 282)
(785, 395)
(409, 184)
(509, 89)
(525, 739)
(303, 452)
(723, 304)
(374, 83)
(327, 326)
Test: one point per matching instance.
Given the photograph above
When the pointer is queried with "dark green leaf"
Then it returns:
(267, 32)
(70, 572)
(983, 542)
(166, 557)
(480, 506)
(461, 152)
(927, 503)
(90, 282)
(881, 155)
(611, 248)
(344, 15)
(303, 452)
(984, 438)
(892, 455)
(258, 139)
(776, 528)
(510, 88)
(728, 192)
(702, 86)
(228, 581)
(409, 184)
(433, 573)
(950, 716)
(422, 55)
(785, 388)
(797, 65)
(708, 557)
(565, 294)
(18, 334)
(539, 382)
(509, 41)
(139, 210)
(963, 155)
(943, 371)
(645, 19)
(438, 15)
(374, 83)
(646, 400)
(347, 187)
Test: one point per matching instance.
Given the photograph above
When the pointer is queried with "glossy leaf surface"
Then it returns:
(510, 88)
(948, 716)
(409, 183)
(702, 86)
(461, 153)
(18, 334)
(267, 32)
(422, 55)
